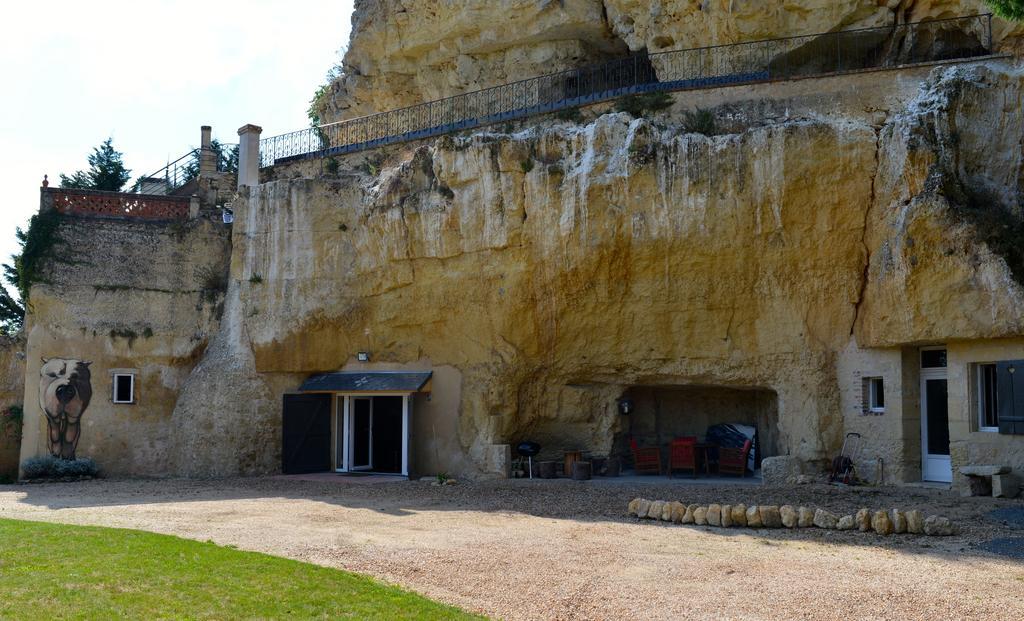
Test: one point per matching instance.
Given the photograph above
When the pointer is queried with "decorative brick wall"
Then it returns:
(117, 204)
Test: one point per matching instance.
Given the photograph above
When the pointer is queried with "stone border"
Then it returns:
(787, 516)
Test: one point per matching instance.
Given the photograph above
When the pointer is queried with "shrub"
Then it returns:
(255, 279)
(573, 115)
(50, 467)
(331, 166)
(700, 121)
(1009, 9)
(640, 105)
(526, 165)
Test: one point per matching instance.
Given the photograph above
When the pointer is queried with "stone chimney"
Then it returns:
(207, 156)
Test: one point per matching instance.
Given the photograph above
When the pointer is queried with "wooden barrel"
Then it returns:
(581, 471)
(571, 457)
(547, 469)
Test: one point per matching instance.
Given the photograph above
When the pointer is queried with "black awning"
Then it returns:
(367, 381)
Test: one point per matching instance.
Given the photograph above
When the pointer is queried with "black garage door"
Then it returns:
(306, 433)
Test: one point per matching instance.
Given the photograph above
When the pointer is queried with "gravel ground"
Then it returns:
(566, 550)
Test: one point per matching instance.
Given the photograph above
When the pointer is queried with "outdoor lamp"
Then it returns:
(625, 405)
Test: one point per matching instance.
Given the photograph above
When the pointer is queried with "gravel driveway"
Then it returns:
(566, 550)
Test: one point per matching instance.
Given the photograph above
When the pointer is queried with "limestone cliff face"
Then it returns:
(558, 265)
(404, 52)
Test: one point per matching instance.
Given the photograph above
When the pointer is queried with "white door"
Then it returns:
(935, 463)
(361, 425)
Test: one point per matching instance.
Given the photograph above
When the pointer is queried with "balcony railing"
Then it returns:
(824, 54)
(186, 168)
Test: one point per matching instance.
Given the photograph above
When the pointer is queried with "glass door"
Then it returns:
(935, 462)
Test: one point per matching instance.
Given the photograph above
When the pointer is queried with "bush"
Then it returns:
(50, 467)
(572, 115)
(699, 121)
(1009, 9)
(640, 105)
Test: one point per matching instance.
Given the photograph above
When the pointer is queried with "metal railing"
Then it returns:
(186, 168)
(787, 58)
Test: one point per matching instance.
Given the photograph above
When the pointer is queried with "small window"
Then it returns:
(933, 358)
(124, 388)
(988, 405)
(876, 394)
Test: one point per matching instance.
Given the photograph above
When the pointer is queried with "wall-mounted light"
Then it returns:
(363, 356)
(625, 405)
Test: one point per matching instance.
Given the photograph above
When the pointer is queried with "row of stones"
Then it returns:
(787, 516)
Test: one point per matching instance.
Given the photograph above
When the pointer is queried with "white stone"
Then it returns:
(779, 470)
(825, 519)
(983, 471)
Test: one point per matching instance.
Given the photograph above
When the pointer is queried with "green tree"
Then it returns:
(225, 156)
(1009, 9)
(23, 271)
(106, 171)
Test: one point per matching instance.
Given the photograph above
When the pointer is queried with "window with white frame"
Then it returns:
(876, 394)
(124, 388)
(988, 406)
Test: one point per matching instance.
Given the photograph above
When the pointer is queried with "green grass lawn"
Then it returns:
(57, 571)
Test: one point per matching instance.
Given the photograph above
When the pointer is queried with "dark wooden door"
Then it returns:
(1010, 396)
(306, 433)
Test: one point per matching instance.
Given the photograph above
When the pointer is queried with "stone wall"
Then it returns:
(130, 296)
(12, 389)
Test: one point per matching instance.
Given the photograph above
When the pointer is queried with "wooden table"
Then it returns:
(572, 457)
(704, 449)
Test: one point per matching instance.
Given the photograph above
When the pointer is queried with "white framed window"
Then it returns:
(124, 388)
(876, 394)
(988, 405)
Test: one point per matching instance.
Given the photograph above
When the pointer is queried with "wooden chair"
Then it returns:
(733, 460)
(683, 455)
(646, 459)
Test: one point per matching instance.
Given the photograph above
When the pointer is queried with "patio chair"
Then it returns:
(683, 455)
(647, 459)
(732, 460)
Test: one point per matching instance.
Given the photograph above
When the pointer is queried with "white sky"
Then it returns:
(149, 74)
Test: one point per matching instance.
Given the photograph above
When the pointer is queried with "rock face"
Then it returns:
(779, 470)
(404, 52)
(567, 233)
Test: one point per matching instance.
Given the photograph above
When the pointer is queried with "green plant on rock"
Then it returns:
(699, 121)
(643, 104)
(572, 115)
(255, 279)
(331, 166)
(526, 165)
(25, 268)
(1008, 9)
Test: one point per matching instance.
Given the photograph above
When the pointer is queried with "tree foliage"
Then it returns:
(106, 171)
(23, 270)
(226, 159)
(1008, 9)
(319, 96)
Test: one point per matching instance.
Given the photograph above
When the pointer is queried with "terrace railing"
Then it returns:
(787, 58)
(184, 169)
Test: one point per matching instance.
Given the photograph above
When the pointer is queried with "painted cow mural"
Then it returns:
(64, 393)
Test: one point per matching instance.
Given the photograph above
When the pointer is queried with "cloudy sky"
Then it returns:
(149, 74)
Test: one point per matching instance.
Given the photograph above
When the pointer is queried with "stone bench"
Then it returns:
(990, 481)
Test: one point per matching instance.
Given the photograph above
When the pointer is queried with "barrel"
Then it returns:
(581, 471)
(547, 469)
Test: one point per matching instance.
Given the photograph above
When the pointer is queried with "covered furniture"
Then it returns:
(646, 459)
(734, 460)
(683, 455)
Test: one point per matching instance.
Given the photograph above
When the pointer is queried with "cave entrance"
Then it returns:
(718, 415)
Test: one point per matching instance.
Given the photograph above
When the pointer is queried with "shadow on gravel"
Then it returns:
(981, 520)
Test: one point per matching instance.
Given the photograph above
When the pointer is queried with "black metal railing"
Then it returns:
(707, 67)
(186, 168)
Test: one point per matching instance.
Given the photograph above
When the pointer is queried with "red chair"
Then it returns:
(645, 459)
(734, 460)
(683, 455)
